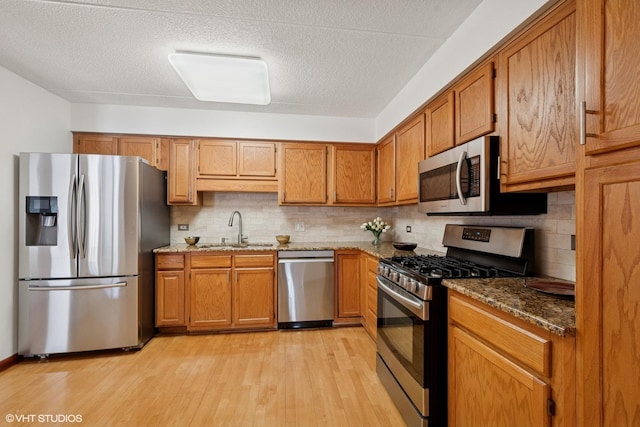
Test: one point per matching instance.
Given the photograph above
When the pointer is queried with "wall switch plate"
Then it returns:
(183, 227)
(299, 226)
(408, 229)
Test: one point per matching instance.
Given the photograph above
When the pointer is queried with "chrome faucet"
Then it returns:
(240, 236)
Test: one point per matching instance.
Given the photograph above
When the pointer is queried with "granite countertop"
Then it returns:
(554, 314)
(506, 294)
(385, 250)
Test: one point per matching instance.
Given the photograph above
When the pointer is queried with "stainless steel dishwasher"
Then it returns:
(305, 289)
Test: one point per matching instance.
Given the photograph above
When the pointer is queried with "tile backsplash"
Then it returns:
(263, 218)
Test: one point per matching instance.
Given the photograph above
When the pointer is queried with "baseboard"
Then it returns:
(9, 361)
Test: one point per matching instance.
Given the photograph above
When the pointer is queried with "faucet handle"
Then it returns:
(244, 238)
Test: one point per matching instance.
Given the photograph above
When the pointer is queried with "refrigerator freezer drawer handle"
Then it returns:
(77, 288)
(80, 219)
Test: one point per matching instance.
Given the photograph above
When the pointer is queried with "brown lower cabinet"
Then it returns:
(504, 371)
(369, 293)
(215, 291)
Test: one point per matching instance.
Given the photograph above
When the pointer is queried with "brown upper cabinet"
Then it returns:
(609, 41)
(181, 185)
(386, 154)
(464, 112)
(354, 174)
(303, 173)
(398, 158)
(236, 159)
(537, 104)
(409, 151)
(475, 104)
(440, 130)
(226, 165)
(95, 144)
(327, 174)
(149, 148)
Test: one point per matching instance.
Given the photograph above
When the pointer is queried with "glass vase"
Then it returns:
(377, 241)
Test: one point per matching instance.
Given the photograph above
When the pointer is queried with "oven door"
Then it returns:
(403, 330)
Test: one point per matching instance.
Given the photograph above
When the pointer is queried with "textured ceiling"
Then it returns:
(326, 57)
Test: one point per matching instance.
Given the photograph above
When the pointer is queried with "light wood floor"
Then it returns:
(280, 378)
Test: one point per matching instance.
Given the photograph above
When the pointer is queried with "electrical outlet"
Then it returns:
(299, 226)
(408, 229)
(183, 227)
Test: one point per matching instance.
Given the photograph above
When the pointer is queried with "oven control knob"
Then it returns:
(412, 285)
(394, 276)
(404, 281)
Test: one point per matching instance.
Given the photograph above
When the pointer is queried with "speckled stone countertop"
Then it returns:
(384, 250)
(507, 294)
(552, 313)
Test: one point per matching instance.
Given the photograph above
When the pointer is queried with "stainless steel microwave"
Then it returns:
(465, 180)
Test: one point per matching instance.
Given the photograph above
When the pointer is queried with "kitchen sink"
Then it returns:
(234, 245)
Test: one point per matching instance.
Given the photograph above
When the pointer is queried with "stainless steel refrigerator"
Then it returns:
(88, 225)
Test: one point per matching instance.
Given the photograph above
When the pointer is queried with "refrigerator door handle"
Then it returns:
(72, 218)
(81, 219)
(77, 288)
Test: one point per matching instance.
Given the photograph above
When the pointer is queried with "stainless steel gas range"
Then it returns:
(412, 311)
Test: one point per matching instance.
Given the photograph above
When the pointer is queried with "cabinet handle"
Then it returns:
(583, 123)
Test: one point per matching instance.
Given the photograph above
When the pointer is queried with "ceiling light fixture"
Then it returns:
(223, 78)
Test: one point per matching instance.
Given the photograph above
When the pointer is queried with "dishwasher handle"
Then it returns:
(301, 260)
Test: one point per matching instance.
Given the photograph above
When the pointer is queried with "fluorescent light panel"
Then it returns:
(223, 78)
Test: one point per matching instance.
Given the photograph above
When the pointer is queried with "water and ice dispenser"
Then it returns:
(42, 221)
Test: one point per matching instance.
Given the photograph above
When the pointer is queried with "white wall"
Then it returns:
(31, 119)
(490, 23)
(185, 122)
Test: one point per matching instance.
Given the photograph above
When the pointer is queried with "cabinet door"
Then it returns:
(145, 147)
(608, 40)
(303, 175)
(348, 284)
(170, 298)
(210, 298)
(254, 297)
(487, 389)
(608, 295)
(440, 132)
(95, 144)
(181, 186)
(537, 79)
(386, 151)
(257, 159)
(475, 104)
(217, 158)
(409, 151)
(354, 174)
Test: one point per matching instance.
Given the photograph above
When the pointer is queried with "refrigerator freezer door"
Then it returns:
(60, 316)
(46, 175)
(108, 215)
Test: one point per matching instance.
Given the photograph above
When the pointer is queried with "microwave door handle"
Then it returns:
(463, 156)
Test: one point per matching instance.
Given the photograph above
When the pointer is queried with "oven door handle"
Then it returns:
(416, 306)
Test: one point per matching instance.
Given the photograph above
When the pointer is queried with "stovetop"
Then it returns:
(472, 252)
(437, 267)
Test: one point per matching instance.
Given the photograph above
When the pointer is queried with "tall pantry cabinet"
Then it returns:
(608, 213)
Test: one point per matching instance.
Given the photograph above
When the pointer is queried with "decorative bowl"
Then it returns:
(405, 246)
(283, 239)
(192, 240)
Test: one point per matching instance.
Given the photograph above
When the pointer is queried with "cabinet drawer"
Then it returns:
(170, 262)
(372, 265)
(528, 348)
(210, 261)
(254, 260)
